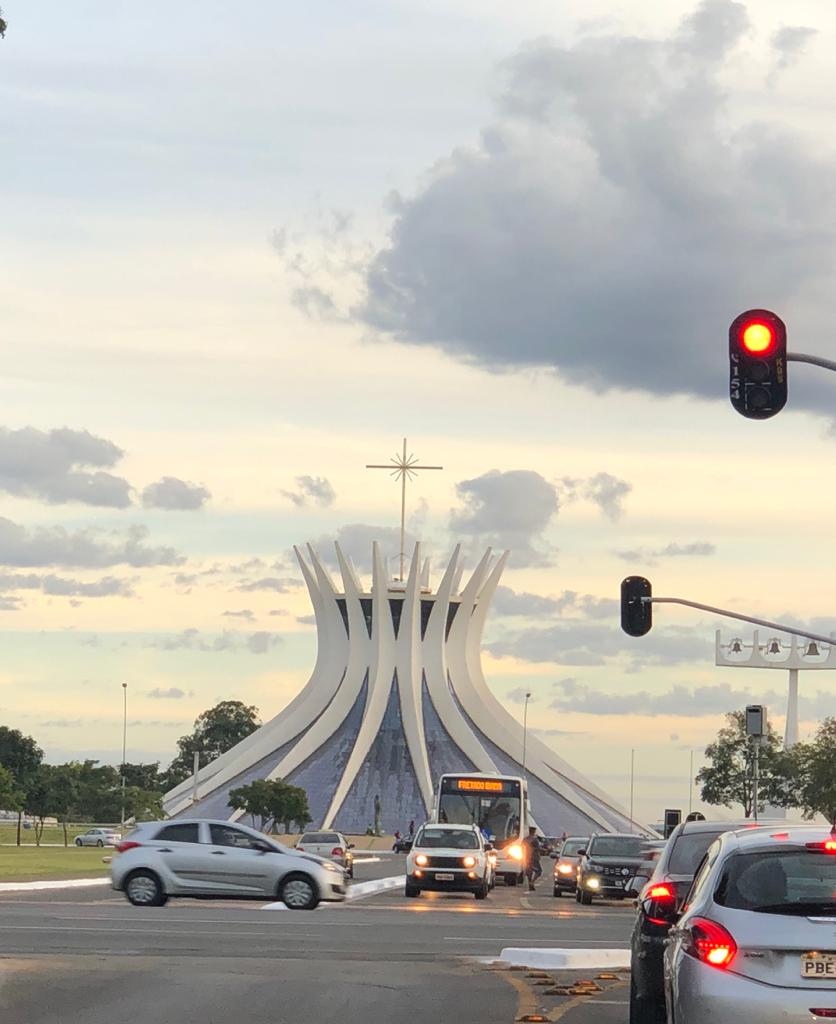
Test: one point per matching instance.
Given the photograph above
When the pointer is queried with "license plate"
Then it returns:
(818, 965)
(444, 878)
(618, 883)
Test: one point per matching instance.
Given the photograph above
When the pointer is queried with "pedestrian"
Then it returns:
(531, 849)
(411, 830)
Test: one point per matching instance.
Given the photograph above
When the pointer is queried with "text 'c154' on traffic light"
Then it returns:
(636, 614)
(758, 364)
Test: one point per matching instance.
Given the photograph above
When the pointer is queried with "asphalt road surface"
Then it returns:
(85, 955)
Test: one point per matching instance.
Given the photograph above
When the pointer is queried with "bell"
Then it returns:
(774, 647)
(736, 646)
(812, 649)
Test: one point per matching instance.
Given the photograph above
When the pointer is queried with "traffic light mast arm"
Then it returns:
(800, 357)
(743, 618)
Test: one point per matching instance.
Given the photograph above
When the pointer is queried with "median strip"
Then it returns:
(553, 959)
(356, 892)
(67, 883)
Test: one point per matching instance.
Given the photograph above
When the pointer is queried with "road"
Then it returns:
(86, 955)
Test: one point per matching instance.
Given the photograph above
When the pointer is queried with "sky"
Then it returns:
(246, 251)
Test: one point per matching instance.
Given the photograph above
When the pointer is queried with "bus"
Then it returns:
(498, 804)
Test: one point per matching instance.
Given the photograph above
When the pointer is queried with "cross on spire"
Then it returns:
(403, 467)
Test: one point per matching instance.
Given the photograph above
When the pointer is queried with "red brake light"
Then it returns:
(711, 943)
(824, 1011)
(828, 846)
(337, 851)
(127, 844)
(757, 337)
(663, 891)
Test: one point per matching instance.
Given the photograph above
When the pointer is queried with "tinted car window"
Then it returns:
(320, 837)
(440, 838)
(688, 851)
(226, 835)
(616, 846)
(185, 833)
(703, 871)
(571, 847)
(791, 882)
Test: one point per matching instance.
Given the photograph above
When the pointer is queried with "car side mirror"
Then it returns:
(262, 847)
(663, 911)
(633, 886)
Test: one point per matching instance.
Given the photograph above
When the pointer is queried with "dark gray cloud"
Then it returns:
(168, 693)
(518, 694)
(356, 541)
(651, 556)
(510, 509)
(689, 702)
(788, 46)
(107, 586)
(508, 602)
(55, 466)
(278, 584)
(580, 642)
(175, 495)
(316, 490)
(590, 231)
(78, 549)
(608, 493)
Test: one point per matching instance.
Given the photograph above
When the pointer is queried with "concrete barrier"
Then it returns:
(565, 959)
(67, 883)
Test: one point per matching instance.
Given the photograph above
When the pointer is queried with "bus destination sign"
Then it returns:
(480, 785)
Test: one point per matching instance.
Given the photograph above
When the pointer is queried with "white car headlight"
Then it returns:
(331, 867)
(564, 869)
(421, 860)
(515, 852)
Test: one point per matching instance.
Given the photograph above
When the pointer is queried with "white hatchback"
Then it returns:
(757, 941)
(448, 858)
(198, 858)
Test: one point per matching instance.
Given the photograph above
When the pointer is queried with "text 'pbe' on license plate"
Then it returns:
(444, 878)
(818, 965)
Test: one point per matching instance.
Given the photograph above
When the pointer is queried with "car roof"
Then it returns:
(450, 825)
(768, 835)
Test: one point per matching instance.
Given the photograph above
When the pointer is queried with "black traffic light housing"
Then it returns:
(758, 364)
(636, 614)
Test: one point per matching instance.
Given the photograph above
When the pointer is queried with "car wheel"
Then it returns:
(644, 1011)
(411, 891)
(511, 880)
(144, 889)
(557, 893)
(351, 872)
(299, 892)
(78, 842)
(99, 843)
(577, 895)
(482, 894)
(586, 898)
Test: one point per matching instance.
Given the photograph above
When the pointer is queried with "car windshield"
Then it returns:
(572, 846)
(617, 846)
(320, 837)
(793, 881)
(688, 851)
(447, 838)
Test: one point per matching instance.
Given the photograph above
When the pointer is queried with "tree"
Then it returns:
(254, 799)
(62, 785)
(215, 731)
(142, 776)
(3, 26)
(816, 766)
(273, 801)
(727, 780)
(22, 756)
(10, 796)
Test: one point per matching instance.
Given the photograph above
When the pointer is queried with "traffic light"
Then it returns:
(636, 614)
(758, 364)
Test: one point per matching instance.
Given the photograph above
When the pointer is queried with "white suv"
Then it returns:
(201, 858)
(448, 858)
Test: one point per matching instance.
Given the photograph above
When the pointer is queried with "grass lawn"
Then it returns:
(52, 833)
(28, 864)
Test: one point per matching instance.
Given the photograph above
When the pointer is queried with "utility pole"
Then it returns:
(124, 745)
(691, 784)
(525, 728)
(756, 729)
(632, 781)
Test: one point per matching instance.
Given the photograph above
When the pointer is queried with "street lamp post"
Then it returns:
(525, 727)
(124, 744)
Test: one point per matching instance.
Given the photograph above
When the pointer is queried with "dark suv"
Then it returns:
(606, 864)
(659, 901)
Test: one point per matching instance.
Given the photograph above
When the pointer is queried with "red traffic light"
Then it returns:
(757, 337)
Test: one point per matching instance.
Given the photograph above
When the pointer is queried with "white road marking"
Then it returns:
(68, 883)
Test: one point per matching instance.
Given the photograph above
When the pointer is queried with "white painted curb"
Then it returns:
(566, 959)
(356, 892)
(69, 883)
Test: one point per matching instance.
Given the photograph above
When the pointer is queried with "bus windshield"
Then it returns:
(492, 804)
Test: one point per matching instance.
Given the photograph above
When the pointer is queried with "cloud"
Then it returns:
(262, 641)
(170, 693)
(608, 493)
(245, 614)
(174, 495)
(694, 549)
(10, 604)
(510, 603)
(312, 489)
(50, 466)
(356, 541)
(509, 509)
(306, 620)
(280, 586)
(518, 695)
(788, 46)
(81, 549)
(589, 231)
(229, 640)
(107, 586)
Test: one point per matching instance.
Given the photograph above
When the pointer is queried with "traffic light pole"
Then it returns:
(800, 357)
(743, 618)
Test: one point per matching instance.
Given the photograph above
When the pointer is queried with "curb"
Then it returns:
(565, 959)
(69, 883)
(356, 892)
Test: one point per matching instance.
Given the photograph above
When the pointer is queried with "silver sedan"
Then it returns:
(98, 837)
(757, 941)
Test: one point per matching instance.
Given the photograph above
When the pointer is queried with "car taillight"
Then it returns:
(828, 846)
(661, 891)
(710, 942)
(128, 844)
(826, 1011)
(337, 851)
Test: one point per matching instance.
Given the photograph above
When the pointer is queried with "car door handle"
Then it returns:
(165, 849)
(218, 853)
